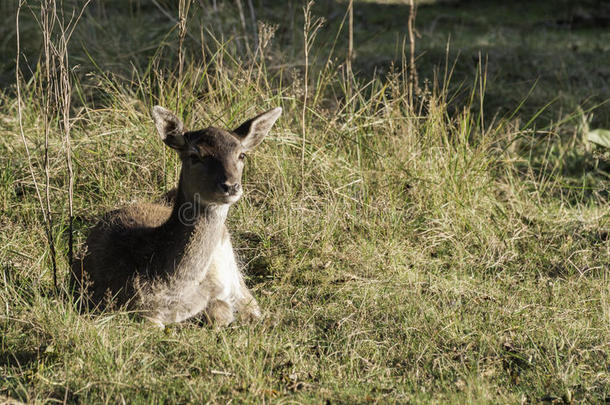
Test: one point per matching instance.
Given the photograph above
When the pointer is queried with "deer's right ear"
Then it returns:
(254, 130)
(169, 127)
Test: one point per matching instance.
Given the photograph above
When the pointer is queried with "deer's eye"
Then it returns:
(242, 156)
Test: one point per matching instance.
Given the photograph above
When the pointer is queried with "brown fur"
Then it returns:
(174, 262)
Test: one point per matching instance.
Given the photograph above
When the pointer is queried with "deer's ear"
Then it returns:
(169, 127)
(252, 132)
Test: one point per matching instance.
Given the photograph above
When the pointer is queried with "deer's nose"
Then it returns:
(228, 188)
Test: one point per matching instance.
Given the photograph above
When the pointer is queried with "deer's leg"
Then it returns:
(220, 313)
(228, 290)
(221, 281)
(246, 305)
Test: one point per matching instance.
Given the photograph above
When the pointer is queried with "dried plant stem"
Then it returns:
(253, 18)
(242, 19)
(66, 97)
(306, 88)
(56, 94)
(482, 87)
(412, 69)
(183, 11)
(350, 49)
(171, 17)
(65, 93)
(48, 21)
(20, 113)
(310, 31)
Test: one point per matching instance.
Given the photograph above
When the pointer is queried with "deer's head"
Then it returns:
(212, 158)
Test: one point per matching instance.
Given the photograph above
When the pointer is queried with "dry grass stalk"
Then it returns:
(310, 31)
(56, 95)
(47, 21)
(253, 18)
(64, 103)
(412, 68)
(242, 19)
(350, 49)
(265, 35)
(183, 11)
(20, 112)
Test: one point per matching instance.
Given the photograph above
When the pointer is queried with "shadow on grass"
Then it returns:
(559, 47)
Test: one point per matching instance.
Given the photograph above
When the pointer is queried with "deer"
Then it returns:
(171, 263)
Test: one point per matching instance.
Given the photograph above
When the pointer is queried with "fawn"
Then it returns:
(173, 263)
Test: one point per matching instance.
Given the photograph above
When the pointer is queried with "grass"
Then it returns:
(428, 255)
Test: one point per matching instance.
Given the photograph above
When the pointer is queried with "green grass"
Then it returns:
(428, 258)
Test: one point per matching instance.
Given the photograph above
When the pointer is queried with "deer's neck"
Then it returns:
(189, 215)
(194, 230)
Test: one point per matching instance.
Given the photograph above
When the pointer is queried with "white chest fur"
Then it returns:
(223, 277)
(219, 279)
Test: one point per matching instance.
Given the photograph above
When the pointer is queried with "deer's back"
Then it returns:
(123, 245)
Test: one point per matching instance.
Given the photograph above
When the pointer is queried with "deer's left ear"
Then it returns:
(252, 132)
(169, 127)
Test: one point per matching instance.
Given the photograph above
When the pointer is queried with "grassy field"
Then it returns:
(450, 249)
